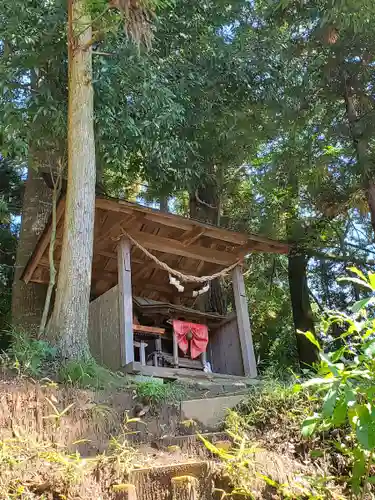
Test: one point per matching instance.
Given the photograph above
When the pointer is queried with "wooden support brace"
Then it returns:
(125, 301)
(243, 321)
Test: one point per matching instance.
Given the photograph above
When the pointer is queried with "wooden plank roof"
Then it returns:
(184, 244)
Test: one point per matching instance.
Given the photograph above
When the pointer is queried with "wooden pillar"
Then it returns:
(125, 301)
(175, 351)
(243, 321)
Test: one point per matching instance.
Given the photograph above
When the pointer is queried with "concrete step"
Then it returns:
(209, 414)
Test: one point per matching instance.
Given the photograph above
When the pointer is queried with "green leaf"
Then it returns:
(309, 425)
(371, 278)
(340, 413)
(365, 426)
(319, 381)
(329, 402)
(358, 272)
(370, 350)
(359, 469)
(357, 281)
(361, 304)
(311, 338)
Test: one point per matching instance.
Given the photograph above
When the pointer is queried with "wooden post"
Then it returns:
(142, 353)
(204, 359)
(125, 301)
(175, 351)
(243, 321)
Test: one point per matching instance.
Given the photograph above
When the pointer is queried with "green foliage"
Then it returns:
(274, 400)
(158, 393)
(344, 384)
(27, 355)
(88, 373)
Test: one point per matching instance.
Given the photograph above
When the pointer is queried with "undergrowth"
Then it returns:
(158, 393)
(89, 374)
(26, 355)
(33, 469)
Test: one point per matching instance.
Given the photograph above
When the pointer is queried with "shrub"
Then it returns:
(345, 386)
(26, 354)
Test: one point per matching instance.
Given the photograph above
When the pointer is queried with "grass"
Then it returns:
(27, 355)
(89, 374)
(157, 393)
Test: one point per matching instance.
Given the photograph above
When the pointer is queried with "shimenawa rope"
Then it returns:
(187, 278)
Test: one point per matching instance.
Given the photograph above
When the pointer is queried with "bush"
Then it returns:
(26, 354)
(345, 387)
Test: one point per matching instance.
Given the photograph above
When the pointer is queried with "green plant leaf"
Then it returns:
(329, 402)
(319, 381)
(370, 350)
(309, 425)
(311, 337)
(357, 281)
(371, 278)
(361, 304)
(340, 413)
(358, 272)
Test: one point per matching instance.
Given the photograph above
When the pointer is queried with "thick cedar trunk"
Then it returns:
(298, 288)
(302, 313)
(69, 320)
(28, 300)
(204, 206)
(164, 204)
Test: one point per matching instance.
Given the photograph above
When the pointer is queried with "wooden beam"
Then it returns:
(125, 301)
(177, 221)
(42, 244)
(243, 321)
(175, 247)
(171, 220)
(191, 236)
(148, 329)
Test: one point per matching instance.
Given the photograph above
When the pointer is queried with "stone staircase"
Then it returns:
(180, 466)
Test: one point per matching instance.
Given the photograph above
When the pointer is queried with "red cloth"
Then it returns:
(199, 341)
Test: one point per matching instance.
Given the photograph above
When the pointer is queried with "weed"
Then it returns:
(344, 387)
(274, 401)
(89, 374)
(157, 393)
(27, 355)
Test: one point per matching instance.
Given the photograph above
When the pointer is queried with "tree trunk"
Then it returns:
(204, 206)
(164, 204)
(69, 320)
(28, 300)
(302, 313)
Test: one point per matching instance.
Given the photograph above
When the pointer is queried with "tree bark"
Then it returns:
(302, 313)
(204, 206)
(28, 300)
(164, 204)
(69, 321)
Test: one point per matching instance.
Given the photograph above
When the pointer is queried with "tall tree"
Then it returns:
(69, 321)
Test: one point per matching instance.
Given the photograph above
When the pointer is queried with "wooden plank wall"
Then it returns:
(225, 348)
(104, 330)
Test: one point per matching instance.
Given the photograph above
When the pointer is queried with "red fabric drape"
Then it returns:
(199, 340)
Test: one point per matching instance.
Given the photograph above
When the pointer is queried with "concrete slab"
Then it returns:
(210, 412)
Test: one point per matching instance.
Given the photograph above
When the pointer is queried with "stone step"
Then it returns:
(186, 480)
(209, 414)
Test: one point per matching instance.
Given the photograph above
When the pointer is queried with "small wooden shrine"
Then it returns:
(136, 302)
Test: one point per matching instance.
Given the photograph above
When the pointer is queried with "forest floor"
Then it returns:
(59, 441)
